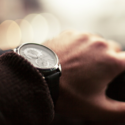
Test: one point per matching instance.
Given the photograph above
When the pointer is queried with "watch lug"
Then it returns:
(14, 50)
(60, 69)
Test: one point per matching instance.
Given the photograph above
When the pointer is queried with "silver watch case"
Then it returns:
(47, 71)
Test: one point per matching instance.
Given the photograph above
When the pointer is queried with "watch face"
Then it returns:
(40, 56)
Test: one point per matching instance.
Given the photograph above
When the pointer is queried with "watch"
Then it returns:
(44, 60)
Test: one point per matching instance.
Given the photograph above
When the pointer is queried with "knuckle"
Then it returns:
(83, 37)
(100, 44)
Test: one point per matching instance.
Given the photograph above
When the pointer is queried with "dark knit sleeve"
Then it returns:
(24, 95)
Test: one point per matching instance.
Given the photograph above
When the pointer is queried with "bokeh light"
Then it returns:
(26, 31)
(10, 35)
(53, 23)
(35, 28)
(40, 27)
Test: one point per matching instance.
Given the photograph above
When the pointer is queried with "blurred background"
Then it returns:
(36, 21)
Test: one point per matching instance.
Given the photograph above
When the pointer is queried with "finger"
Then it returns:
(114, 45)
(110, 110)
(115, 109)
(121, 57)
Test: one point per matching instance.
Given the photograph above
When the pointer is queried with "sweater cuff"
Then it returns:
(24, 95)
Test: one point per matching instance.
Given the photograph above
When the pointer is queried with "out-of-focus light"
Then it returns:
(10, 35)
(40, 27)
(13, 35)
(26, 31)
(3, 31)
(53, 23)
(30, 17)
(71, 7)
(75, 13)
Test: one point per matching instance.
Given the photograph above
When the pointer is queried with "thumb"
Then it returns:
(121, 57)
(111, 110)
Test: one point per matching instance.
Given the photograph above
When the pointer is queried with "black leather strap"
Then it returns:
(53, 83)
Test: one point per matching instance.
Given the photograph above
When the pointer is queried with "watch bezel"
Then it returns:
(57, 66)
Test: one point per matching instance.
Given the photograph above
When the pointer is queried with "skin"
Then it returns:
(89, 64)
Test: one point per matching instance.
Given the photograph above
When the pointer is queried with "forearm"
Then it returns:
(24, 95)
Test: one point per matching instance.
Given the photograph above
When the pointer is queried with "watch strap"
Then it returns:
(53, 84)
(52, 81)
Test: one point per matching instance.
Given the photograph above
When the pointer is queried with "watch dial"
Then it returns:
(38, 55)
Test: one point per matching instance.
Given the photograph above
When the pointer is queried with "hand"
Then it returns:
(89, 64)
